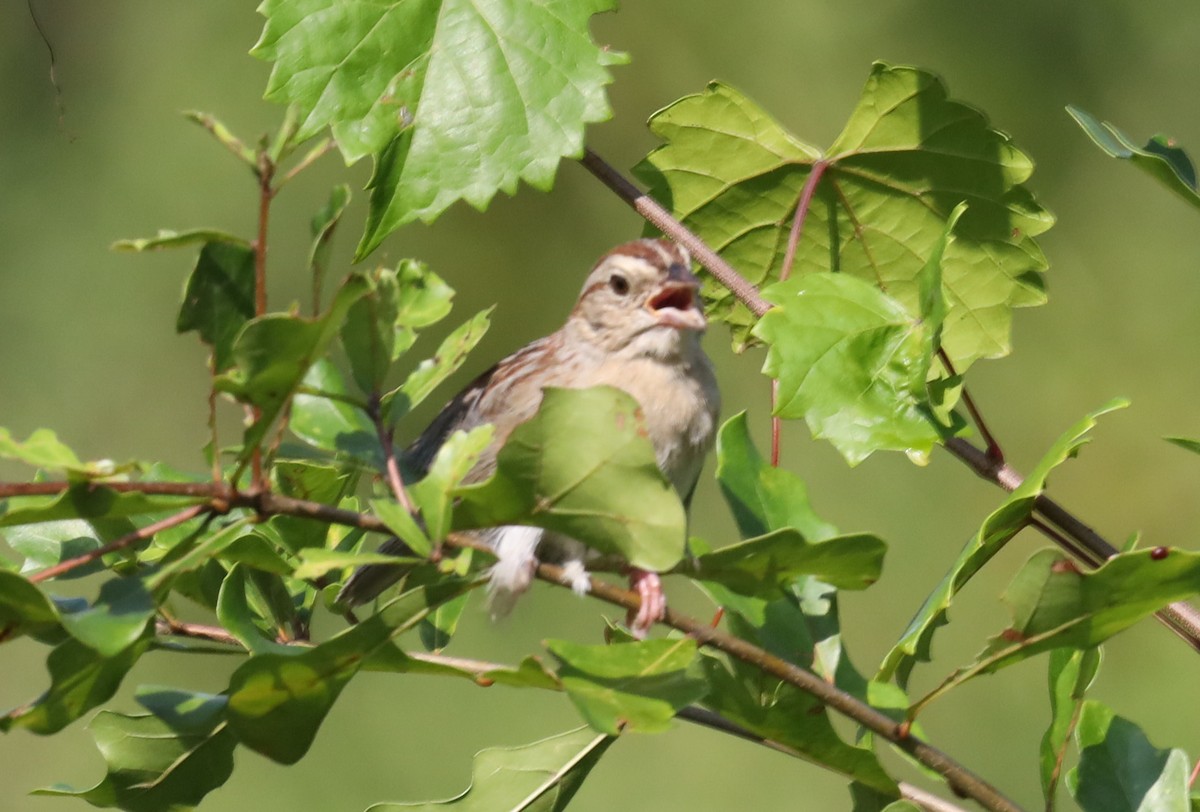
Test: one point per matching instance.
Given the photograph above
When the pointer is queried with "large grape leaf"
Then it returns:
(458, 99)
(906, 158)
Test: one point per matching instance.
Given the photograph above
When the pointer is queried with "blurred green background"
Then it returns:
(87, 347)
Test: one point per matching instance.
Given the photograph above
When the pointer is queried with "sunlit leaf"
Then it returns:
(1120, 771)
(49, 543)
(907, 157)
(1004, 523)
(168, 759)
(851, 361)
(454, 460)
(581, 466)
(88, 501)
(116, 619)
(1160, 158)
(462, 99)
(762, 497)
(166, 238)
(538, 777)
(278, 701)
(769, 564)
(80, 679)
(272, 353)
(1054, 604)
(1071, 674)
(432, 372)
(324, 416)
(629, 686)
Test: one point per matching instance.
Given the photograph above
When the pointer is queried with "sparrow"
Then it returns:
(636, 326)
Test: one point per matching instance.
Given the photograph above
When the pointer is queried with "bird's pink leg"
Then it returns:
(654, 603)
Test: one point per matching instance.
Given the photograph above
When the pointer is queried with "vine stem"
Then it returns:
(1181, 617)
(267, 503)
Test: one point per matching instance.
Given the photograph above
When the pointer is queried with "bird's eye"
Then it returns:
(619, 284)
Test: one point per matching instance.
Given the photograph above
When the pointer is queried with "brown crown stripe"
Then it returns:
(661, 252)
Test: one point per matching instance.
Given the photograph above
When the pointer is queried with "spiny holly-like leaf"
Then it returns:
(764, 566)
(1160, 158)
(278, 701)
(906, 158)
(1071, 674)
(272, 353)
(1121, 771)
(80, 679)
(583, 467)
(463, 99)
(852, 362)
(762, 497)
(1004, 523)
(538, 777)
(629, 686)
(219, 298)
(168, 759)
(1054, 604)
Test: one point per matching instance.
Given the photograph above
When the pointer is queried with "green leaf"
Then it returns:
(50, 543)
(219, 298)
(539, 777)
(432, 372)
(315, 562)
(323, 415)
(765, 566)
(582, 467)
(325, 484)
(1185, 443)
(369, 331)
(424, 297)
(278, 701)
(273, 353)
(80, 679)
(454, 460)
(44, 450)
(437, 630)
(242, 621)
(402, 523)
(167, 759)
(463, 99)
(1004, 523)
(1160, 158)
(88, 501)
(762, 497)
(179, 239)
(225, 137)
(1120, 771)
(1054, 604)
(322, 227)
(852, 362)
(24, 609)
(117, 618)
(906, 158)
(629, 686)
(785, 714)
(1071, 674)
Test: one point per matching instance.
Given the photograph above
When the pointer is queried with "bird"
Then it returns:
(637, 326)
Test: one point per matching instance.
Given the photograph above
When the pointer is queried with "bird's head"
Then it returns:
(641, 297)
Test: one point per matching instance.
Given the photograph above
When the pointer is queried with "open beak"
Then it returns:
(675, 304)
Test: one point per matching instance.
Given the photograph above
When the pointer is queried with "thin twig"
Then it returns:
(395, 481)
(198, 631)
(325, 145)
(266, 175)
(124, 541)
(994, 451)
